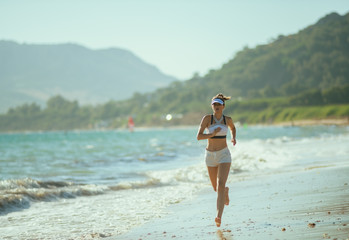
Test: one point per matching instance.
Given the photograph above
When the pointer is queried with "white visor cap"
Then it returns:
(217, 100)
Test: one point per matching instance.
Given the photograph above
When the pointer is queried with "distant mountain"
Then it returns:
(34, 73)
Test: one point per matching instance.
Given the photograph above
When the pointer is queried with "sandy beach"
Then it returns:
(301, 203)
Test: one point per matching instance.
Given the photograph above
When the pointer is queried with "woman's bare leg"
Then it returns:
(223, 172)
(212, 172)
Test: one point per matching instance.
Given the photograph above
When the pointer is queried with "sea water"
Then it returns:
(87, 184)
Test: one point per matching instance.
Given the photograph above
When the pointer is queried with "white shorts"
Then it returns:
(213, 159)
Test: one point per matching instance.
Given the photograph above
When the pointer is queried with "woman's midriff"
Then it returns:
(216, 144)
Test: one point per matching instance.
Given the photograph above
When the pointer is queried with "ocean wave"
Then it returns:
(136, 184)
(258, 154)
(272, 153)
(191, 174)
(16, 194)
(29, 183)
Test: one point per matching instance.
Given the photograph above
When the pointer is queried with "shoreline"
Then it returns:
(303, 122)
(307, 203)
(315, 122)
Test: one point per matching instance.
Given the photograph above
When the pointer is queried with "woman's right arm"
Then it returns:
(204, 123)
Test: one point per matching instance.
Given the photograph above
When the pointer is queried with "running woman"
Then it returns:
(218, 158)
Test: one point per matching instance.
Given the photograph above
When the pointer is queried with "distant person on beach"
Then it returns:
(218, 159)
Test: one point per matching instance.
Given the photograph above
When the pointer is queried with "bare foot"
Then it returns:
(218, 221)
(226, 192)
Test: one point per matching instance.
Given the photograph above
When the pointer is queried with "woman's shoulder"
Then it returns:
(206, 118)
(228, 118)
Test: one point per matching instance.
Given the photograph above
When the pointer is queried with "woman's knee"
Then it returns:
(221, 185)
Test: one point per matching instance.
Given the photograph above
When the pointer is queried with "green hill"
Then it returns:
(310, 68)
(315, 58)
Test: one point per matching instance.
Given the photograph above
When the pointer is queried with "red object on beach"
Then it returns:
(131, 124)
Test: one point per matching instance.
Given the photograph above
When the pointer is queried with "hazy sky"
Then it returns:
(180, 37)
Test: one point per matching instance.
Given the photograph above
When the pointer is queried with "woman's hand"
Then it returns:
(216, 131)
(233, 140)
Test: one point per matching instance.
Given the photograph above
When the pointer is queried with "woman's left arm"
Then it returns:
(232, 129)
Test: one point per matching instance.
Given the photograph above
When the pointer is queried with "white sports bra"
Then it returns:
(224, 128)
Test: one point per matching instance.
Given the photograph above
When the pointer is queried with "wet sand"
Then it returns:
(309, 202)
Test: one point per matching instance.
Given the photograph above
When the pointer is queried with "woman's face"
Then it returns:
(217, 108)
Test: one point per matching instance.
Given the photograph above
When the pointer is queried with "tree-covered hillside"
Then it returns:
(315, 58)
(303, 69)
